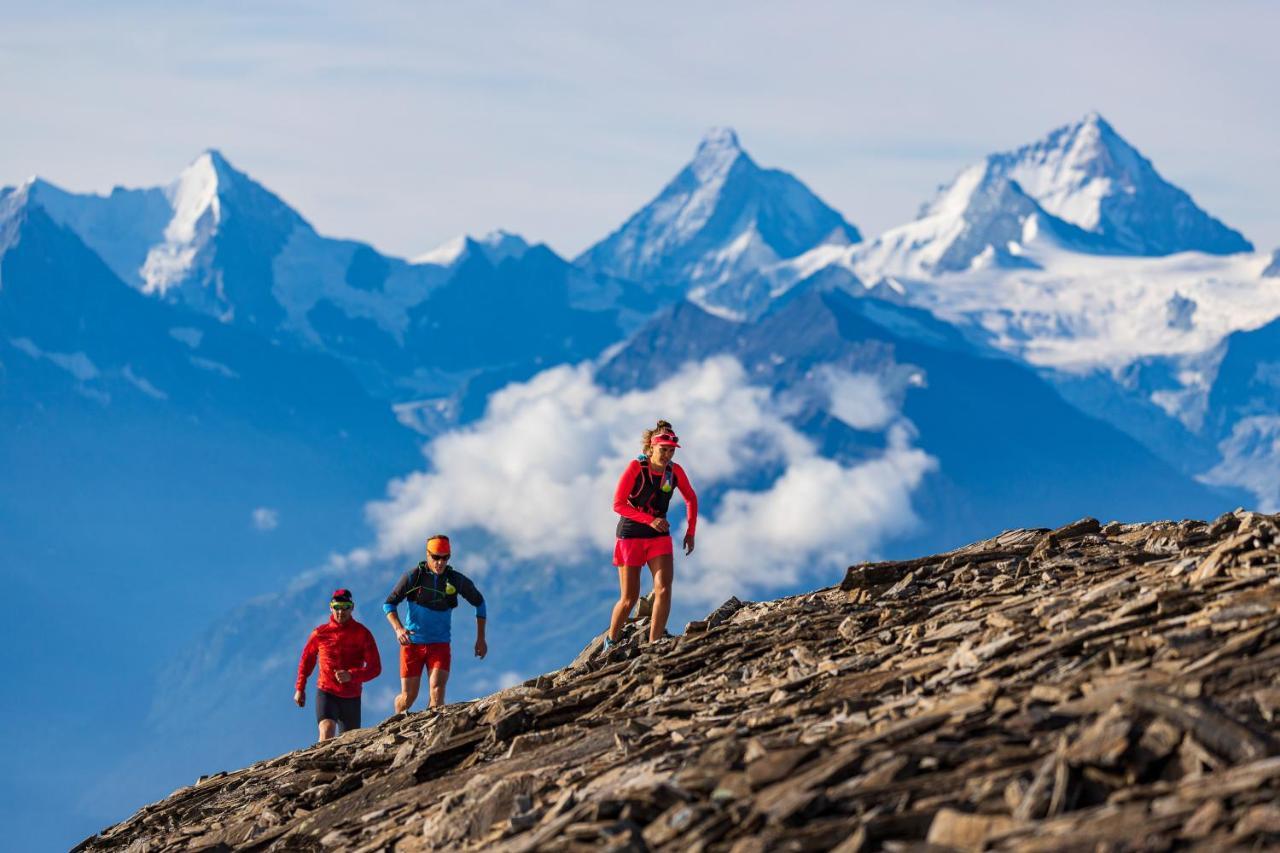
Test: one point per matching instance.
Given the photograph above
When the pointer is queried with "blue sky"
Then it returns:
(405, 124)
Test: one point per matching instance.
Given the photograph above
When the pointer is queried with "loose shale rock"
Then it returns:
(1095, 687)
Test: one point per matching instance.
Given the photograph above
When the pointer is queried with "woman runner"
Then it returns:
(644, 536)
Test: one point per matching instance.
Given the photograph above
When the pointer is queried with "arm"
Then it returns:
(398, 593)
(372, 660)
(468, 591)
(690, 498)
(691, 501)
(623, 491)
(306, 665)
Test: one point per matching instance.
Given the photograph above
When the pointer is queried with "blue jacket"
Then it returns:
(432, 599)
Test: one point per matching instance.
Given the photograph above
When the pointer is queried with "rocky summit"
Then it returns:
(1095, 687)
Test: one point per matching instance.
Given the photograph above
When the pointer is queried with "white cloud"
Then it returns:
(537, 472)
(858, 399)
(818, 514)
(265, 518)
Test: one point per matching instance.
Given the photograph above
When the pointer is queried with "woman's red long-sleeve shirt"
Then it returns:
(627, 484)
(346, 645)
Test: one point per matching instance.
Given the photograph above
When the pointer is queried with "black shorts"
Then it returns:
(345, 711)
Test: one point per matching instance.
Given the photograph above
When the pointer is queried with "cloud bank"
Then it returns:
(537, 474)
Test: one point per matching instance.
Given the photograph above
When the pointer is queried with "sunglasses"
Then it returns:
(438, 556)
(342, 605)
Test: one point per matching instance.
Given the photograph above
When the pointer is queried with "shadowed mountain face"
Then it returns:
(160, 468)
(1041, 690)
(997, 430)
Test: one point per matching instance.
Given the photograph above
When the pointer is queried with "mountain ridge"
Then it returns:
(720, 215)
(1040, 689)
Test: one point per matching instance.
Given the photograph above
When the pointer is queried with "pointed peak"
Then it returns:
(216, 157)
(445, 254)
(1093, 118)
(501, 240)
(717, 152)
(720, 139)
(496, 246)
(30, 191)
(213, 164)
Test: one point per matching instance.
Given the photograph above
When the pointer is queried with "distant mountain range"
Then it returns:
(201, 395)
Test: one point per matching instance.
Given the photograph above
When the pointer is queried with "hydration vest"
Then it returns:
(425, 589)
(650, 494)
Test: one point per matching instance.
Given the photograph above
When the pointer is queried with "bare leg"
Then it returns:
(629, 594)
(662, 574)
(438, 679)
(408, 692)
(328, 729)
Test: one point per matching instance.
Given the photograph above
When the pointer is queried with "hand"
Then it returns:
(482, 648)
(402, 636)
(299, 698)
(342, 675)
(661, 525)
(688, 544)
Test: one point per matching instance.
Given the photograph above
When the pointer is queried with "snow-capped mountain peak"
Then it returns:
(194, 197)
(1085, 173)
(1082, 187)
(716, 154)
(196, 213)
(205, 197)
(1074, 168)
(721, 215)
(983, 218)
(496, 246)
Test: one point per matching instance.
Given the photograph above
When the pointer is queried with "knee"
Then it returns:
(628, 601)
(661, 590)
(328, 729)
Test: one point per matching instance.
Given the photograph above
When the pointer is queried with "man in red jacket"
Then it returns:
(348, 657)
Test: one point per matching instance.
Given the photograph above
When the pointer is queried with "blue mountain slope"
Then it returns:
(137, 440)
(1248, 378)
(518, 311)
(219, 243)
(1243, 420)
(1010, 450)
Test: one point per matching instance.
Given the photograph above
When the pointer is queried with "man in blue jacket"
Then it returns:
(432, 589)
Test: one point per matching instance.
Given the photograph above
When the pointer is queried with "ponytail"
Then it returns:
(661, 427)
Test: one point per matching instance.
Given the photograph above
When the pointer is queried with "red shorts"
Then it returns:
(637, 552)
(416, 655)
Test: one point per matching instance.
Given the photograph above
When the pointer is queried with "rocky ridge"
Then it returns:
(1092, 687)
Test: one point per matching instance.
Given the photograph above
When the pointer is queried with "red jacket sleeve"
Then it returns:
(372, 660)
(690, 497)
(623, 491)
(307, 664)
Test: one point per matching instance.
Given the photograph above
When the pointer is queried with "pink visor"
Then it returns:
(665, 439)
